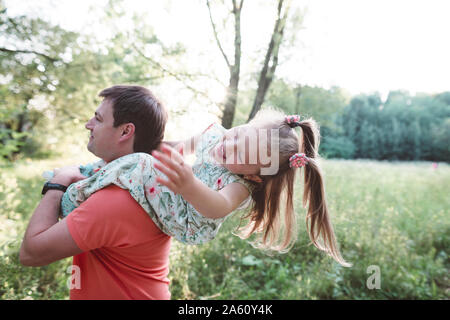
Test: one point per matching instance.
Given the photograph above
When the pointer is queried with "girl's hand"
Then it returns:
(180, 175)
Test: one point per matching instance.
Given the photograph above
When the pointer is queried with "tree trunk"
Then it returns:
(230, 101)
(298, 94)
(267, 72)
(229, 104)
(235, 69)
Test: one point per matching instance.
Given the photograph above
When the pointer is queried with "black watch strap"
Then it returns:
(53, 186)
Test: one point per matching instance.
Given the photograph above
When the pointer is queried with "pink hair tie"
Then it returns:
(298, 160)
(292, 119)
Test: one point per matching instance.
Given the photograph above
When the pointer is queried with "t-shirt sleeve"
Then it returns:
(108, 218)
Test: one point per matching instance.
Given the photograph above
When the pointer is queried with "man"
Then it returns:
(119, 253)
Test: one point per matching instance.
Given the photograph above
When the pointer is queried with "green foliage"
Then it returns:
(11, 142)
(390, 214)
(50, 80)
(31, 61)
(404, 127)
(337, 147)
(19, 195)
(321, 104)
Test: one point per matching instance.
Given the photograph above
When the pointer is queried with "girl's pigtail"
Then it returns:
(317, 219)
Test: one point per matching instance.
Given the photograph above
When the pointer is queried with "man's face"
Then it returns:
(104, 138)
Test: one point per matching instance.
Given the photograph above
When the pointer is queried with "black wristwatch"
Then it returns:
(53, 186)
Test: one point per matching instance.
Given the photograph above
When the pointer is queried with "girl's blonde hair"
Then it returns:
(278, 228)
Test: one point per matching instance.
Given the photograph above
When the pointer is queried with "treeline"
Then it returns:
(403, 127)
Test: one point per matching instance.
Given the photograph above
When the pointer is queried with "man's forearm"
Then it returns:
(46, 213)
(46, 239)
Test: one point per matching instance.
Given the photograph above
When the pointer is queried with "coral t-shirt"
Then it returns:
(125, 255)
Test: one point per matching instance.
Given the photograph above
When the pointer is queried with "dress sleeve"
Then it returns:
(207, 138)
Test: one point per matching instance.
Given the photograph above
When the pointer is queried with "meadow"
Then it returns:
(391, 215)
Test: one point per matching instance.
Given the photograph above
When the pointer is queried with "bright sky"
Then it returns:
(379, 45)
(362, 46)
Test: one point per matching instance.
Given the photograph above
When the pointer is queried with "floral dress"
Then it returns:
(169, 211)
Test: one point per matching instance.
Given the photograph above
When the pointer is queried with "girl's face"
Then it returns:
(239, 150)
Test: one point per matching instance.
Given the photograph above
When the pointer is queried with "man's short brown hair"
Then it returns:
(139, 106)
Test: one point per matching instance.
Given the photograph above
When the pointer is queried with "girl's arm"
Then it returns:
(210, 203)
(215, 204)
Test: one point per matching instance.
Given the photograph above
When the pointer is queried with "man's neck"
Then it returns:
(117, 156)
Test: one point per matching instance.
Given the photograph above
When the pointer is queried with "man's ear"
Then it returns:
(253, 177)
(127, 131)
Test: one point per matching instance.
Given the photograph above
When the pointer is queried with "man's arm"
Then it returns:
(46, 240)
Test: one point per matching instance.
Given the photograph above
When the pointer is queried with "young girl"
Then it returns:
(190, 203)
(277, 227)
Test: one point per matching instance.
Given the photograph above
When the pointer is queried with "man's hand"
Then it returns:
(180, 175)
(67, 175)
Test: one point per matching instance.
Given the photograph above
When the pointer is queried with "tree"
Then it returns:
(51, 79)
(270, 62)
(30, 62)
(234, 66)
(271, 59)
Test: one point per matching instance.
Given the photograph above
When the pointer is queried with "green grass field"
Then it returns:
(392, 215)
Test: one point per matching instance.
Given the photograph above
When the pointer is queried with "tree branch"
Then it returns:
(216, 35)
(267, 72)
(51, 59)
(174, 75)
(237, 36)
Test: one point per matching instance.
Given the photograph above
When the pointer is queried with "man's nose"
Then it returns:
(89, 124)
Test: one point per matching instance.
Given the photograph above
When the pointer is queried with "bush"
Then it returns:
(337, 147)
